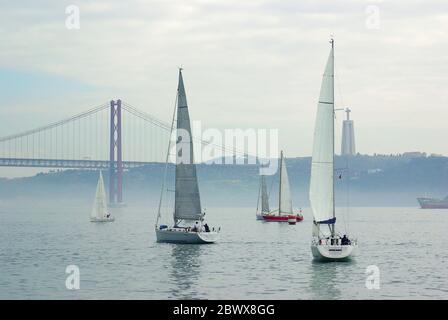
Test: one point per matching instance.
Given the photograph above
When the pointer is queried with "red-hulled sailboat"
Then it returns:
(285, 211)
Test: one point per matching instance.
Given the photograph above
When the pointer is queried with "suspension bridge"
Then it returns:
(113, 136)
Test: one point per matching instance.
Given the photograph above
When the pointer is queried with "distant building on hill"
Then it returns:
(436, 155)
(414, 154)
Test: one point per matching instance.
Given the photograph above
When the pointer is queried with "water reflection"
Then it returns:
(185, 270)
(327, 278)
(323, 280)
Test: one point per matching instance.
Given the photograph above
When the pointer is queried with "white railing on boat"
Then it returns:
(336, 242)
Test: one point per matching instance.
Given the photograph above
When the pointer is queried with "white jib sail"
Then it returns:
(321, 184)
(264, 196)
(285, 190)
(99, 209)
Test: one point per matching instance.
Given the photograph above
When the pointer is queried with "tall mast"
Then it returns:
(260, 194)
(332, 131)
(280, 184)
(166, 163)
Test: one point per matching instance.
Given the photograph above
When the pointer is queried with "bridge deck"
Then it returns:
(64, 163)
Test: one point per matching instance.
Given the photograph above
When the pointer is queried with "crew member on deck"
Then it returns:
(196, 227)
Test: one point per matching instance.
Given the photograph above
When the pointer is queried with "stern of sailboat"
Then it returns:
(292, 219)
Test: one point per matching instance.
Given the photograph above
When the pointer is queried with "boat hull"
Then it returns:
(430, 203)
(259, 216)
(323, 252)
(276, 218)
(112, 219)
(186, 237)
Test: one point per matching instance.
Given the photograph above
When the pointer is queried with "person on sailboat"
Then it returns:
(206, 227)
(345, 241)
(196, 227)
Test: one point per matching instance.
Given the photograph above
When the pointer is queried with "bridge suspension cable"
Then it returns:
(84, 139)
(166, 126)
(56, 124)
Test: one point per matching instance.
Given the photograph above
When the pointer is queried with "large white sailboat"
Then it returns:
(189, 224)
(285, 212)
(327, 243)
(99, 211)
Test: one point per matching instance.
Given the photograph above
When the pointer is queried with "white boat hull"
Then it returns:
(187, 237)
(111, 219)
(259, 216)
(324, 252)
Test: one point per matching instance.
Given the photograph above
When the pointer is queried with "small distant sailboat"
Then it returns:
(285, 211)
(330, 245)
(264, 199)
(99, 211)
(189, 225)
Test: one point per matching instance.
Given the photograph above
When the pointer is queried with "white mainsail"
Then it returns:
(187, 199)
(99, 209)
(321, 184)
(285, 201)
(264, 195)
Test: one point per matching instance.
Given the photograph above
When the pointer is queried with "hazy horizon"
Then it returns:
(254, 64)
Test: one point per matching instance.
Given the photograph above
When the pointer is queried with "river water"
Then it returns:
(252, 260)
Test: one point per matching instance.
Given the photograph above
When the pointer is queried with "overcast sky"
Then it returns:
(247, 64)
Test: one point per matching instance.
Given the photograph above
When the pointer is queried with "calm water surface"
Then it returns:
(253, 259)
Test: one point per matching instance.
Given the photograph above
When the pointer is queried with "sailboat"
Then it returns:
(189, 224)
(264, 199)
(326, 244)
(99, 211)
(285, 211)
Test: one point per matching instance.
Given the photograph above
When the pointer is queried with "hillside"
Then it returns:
(378, 180)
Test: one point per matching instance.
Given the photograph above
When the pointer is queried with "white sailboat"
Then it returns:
(189, 224)
(264, 199)
(285, 212)
(99, 211)
(326, 244)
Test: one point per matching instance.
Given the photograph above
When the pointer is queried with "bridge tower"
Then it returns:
(115, 167)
